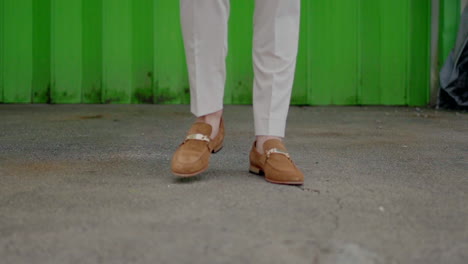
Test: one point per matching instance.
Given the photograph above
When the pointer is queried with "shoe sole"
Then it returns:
(184, 175)
(258, 171)
(180, 175)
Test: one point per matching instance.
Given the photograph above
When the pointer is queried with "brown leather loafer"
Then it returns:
(193, 155)
(275, 164)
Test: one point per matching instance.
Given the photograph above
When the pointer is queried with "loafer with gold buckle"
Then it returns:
(193, 155)
(276, 164)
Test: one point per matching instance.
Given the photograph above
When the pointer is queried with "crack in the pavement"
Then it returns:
(339, 203)
(336, 218)
(334, 214)
(336, 221)
(305, 189)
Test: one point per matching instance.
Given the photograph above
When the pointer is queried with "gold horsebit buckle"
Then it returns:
(198, 137)
(275, 150)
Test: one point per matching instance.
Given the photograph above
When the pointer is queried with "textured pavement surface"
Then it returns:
(91, 184)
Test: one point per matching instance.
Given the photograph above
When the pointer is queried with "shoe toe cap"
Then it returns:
(185, 163)
(283, 172)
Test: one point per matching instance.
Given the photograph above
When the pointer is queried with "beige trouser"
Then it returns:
(276, 34)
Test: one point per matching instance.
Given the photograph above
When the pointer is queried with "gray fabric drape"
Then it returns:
(454, 74)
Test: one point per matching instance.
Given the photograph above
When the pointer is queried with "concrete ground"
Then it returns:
(91, 184)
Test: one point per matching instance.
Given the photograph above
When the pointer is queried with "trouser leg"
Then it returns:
(204, 28)
(276, 35)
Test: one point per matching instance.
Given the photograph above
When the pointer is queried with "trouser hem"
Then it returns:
(206, 110)
(270, 127)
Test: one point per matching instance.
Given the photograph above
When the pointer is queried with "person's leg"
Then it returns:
(276, 35)
(204, 28)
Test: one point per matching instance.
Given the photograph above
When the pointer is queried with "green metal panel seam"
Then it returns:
(52, 53)
(18, 60)
(308, 54)
(156, 49)
(131, 50)
(359, 55)
(420, 95)
(41, 51)
(68, 36)
(131, 45)
(428, 53)
(1, 48)
(142, 52)
(405, 33)
(426, 83)
(92, 51)
(117, 51)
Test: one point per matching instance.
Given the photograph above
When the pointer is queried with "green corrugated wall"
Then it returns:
(368, 52)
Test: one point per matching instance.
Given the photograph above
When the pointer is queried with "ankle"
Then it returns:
(216, 116)
(212, 119)
(261, 139)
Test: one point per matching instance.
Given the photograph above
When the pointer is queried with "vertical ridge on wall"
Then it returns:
(300, 91)
(171, 77)
(346, 58)
(319, 89)
(370, 52)
(419, 65)
(142, 51)
(394, 52)
(127, 54)
(67, 51)
(41, 84)
(334, 79)
(239, 80)
(2, 15)
(92, 51)
(18, 52)
(117, 51)
(76, 51)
